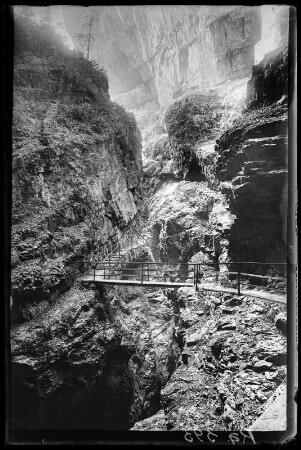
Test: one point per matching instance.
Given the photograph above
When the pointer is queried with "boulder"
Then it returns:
(233, 301)
(226, 323)
(262, 366)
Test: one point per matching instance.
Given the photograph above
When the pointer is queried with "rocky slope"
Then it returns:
(76, 167)
(233, 358)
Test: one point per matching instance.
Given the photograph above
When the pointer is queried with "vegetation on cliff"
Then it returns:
(76, 165)
(190, 120)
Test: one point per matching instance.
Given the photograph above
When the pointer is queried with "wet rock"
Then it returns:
(194, 338)
(233, 301)
(226, 323)
(272, 376)
(273, 351)
(262, 366)
(177, 207)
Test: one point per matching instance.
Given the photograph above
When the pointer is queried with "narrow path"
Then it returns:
(173, 284)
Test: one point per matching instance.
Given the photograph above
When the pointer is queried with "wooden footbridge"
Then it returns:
(117, 268)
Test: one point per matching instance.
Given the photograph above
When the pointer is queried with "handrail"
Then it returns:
(144, 271)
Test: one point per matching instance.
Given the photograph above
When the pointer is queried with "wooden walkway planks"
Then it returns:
(100, 280)
(201, 286)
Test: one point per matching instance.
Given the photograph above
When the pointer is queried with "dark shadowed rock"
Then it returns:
(281, 322)
(233, 301)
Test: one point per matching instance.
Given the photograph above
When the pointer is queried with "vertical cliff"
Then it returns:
(155, 53)
(76, 166)
(252, 164)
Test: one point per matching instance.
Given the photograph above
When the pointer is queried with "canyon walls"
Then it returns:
(156, 53)
(76, 167)
(215, 178)
(252, 165)
(81, 358)
(219, 175)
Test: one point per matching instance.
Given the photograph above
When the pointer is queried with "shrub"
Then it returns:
(33, 40)
(34, 311)
(192, 117)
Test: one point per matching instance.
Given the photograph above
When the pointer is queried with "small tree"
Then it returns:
(87, 28)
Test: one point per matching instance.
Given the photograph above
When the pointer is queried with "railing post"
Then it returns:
(197, 278)
(194, 276)
(147, 271)
(94, 272)
(119, 251)
(238, 279)
(104, 270)
(142, 274)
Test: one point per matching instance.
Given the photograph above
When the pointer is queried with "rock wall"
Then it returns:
(84, 358)
(93, 360)
(252, 165)
(155, 53)
(76, 167)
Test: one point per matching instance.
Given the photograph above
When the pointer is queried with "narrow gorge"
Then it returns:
(155, 138)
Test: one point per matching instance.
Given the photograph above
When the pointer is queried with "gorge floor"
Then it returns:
(233, 357)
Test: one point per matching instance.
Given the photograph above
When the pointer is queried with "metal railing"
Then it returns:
(187, 273)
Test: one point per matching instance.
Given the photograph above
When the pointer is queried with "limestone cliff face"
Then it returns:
(221, 196)
(155, 53)
(76, 167)
(252, 165)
